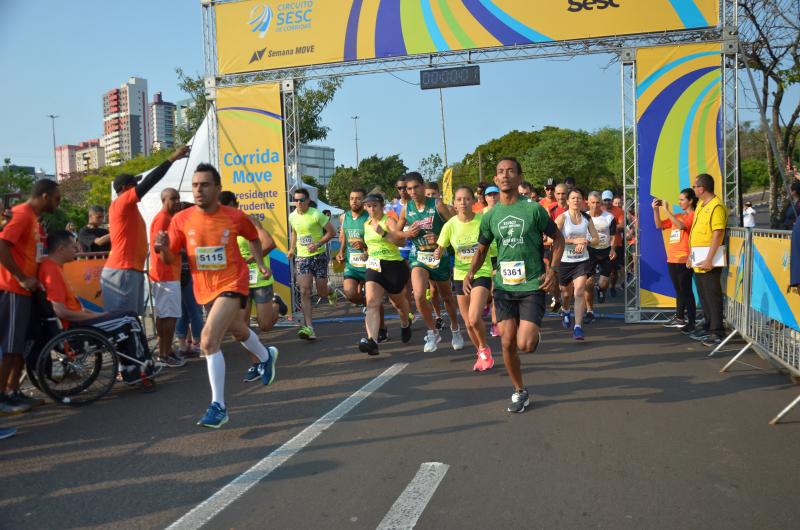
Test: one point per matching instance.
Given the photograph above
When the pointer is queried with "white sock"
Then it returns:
(216, 377)
(254, 346)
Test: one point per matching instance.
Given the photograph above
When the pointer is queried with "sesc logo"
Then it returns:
(590, 5)
(260, 19)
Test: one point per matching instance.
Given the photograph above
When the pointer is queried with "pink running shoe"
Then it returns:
(495, 331)
(485, 360)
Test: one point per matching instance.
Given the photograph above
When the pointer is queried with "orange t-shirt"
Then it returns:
(477, 207)
(56, 288)
(678, 243)
(210, 242)
(547, 203)
(619, 215)
(160, 271)
(24, 235)
(556, 210)
(128, 233)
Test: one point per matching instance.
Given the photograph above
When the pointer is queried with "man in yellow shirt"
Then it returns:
(708, 233)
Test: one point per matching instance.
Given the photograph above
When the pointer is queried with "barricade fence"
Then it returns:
(758, 303)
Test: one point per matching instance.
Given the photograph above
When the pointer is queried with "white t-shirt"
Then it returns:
(749, 217)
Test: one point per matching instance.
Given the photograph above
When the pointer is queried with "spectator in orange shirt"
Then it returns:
(166, 282)
(21, 248)
(480, 199)
(122, 279)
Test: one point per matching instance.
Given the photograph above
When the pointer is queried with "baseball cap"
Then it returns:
(373, 197)
(492, 189)
(748, 203)
(120, 181)
(608, 195)
(550, 183)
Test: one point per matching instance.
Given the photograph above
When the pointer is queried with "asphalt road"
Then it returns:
(635, 428)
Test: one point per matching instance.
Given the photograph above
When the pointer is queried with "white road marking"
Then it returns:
(205, 511)
(409, 506)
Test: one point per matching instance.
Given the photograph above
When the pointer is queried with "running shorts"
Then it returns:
(525, 305)
(476, 282)
(394, 275)
(228, 294)
(440, 273)
(571, 271)
(316, 266)
(600, 262)
(354, 273)
(262, 295)
(167, 299)
(15, 314)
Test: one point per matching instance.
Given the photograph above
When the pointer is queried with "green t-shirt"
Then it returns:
(256, 278)
(518, 230)
(309, 228)
(430, 222)
(464, 239)
(353, 230)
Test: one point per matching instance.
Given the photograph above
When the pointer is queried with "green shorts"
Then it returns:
(440, 273)
(355, 273)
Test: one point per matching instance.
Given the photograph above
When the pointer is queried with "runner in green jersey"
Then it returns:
(521, 279)
(425, 218)
(353, 252)
(461, 232)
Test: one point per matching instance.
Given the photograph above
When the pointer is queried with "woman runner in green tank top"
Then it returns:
(422, 220)
(387, 272)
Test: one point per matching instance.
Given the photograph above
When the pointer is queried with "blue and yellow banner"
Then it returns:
(257, 35)
(770, 281)
(734, 282)
(251, 162)
(679, 119)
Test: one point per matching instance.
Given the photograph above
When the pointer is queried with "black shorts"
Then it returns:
(570, 271)
(600, 262)
(394, 275)
(15, 314)
(230, 294)
(476, 282)
(619, 260)
(525, 305)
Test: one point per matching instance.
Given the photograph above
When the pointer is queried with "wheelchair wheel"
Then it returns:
(77, 366)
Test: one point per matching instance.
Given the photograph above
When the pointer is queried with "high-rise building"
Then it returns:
(181, 107)
(65, 160)
(90, 155)
(316, 161)
(126, 123)
(162, 116)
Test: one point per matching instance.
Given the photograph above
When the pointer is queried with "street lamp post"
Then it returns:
(55, 154)
(444, 134)
(355, 124)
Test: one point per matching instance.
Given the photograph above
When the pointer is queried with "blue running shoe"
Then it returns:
(267, 368)
(566, 320)
(577, 333)
(252, 373)
(215, 417)
(7, 433)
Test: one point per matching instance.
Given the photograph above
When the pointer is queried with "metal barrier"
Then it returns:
(769, 337)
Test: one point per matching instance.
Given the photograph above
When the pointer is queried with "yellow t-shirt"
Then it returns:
(707, 218)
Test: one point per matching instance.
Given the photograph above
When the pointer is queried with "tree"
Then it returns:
(12, 180)
(311, 181)
(770, 34)
(99, 182)
(196, 89)
(382, 173)
(342, 182)
(431, 167)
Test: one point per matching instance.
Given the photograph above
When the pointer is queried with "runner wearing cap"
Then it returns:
(425, 218)
(521, 279)
(387, 272)
(549, 198)
(461, 232)
(208, 232)
(601, 255)
(579, 233)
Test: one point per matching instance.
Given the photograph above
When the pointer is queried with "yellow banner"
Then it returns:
(769, 292)
(257, 35)
(447, 186)
(251, 162)
(734, 283)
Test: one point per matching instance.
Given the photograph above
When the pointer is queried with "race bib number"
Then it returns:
(253, 274)
(604, 239)
(358, 259)
(571, 252)
(210, 258)
(374, 264)
(305, 240)
(675, 236)
(513, 272)
(467, 253)
(428, 259)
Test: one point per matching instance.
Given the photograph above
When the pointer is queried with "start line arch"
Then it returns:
(679, 84)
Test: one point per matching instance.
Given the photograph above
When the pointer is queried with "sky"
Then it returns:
(60, 57)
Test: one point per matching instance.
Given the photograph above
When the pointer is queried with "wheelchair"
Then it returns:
(80, 364)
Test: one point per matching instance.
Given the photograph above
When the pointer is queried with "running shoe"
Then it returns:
(306, 333)
(494, 331)
(8, 432)
(412, 317)
(485, 360)
(675, 322)
(589, 317)
(700, 335)
(405, 333)
(688, 329)
(520, 400)
(170, 362)
(215, 417)
(458, 340)
(282, 307)
(332, 298)
(9, 407)
(18, 397)
(711, 341)
(432, 340)
(439, 323)
(131, 375)
(383, 335)
(252, 373)
(601, 296)
(267, 369)
(368, 346)
(566, 320)
(577, 333)
(177, 358)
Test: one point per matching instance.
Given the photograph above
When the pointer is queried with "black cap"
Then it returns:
(123, 180)
(550, 183)
(373, 197)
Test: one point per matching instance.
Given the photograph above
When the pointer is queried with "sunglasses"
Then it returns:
(549, 189)
(300, 199)
(401, 188)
